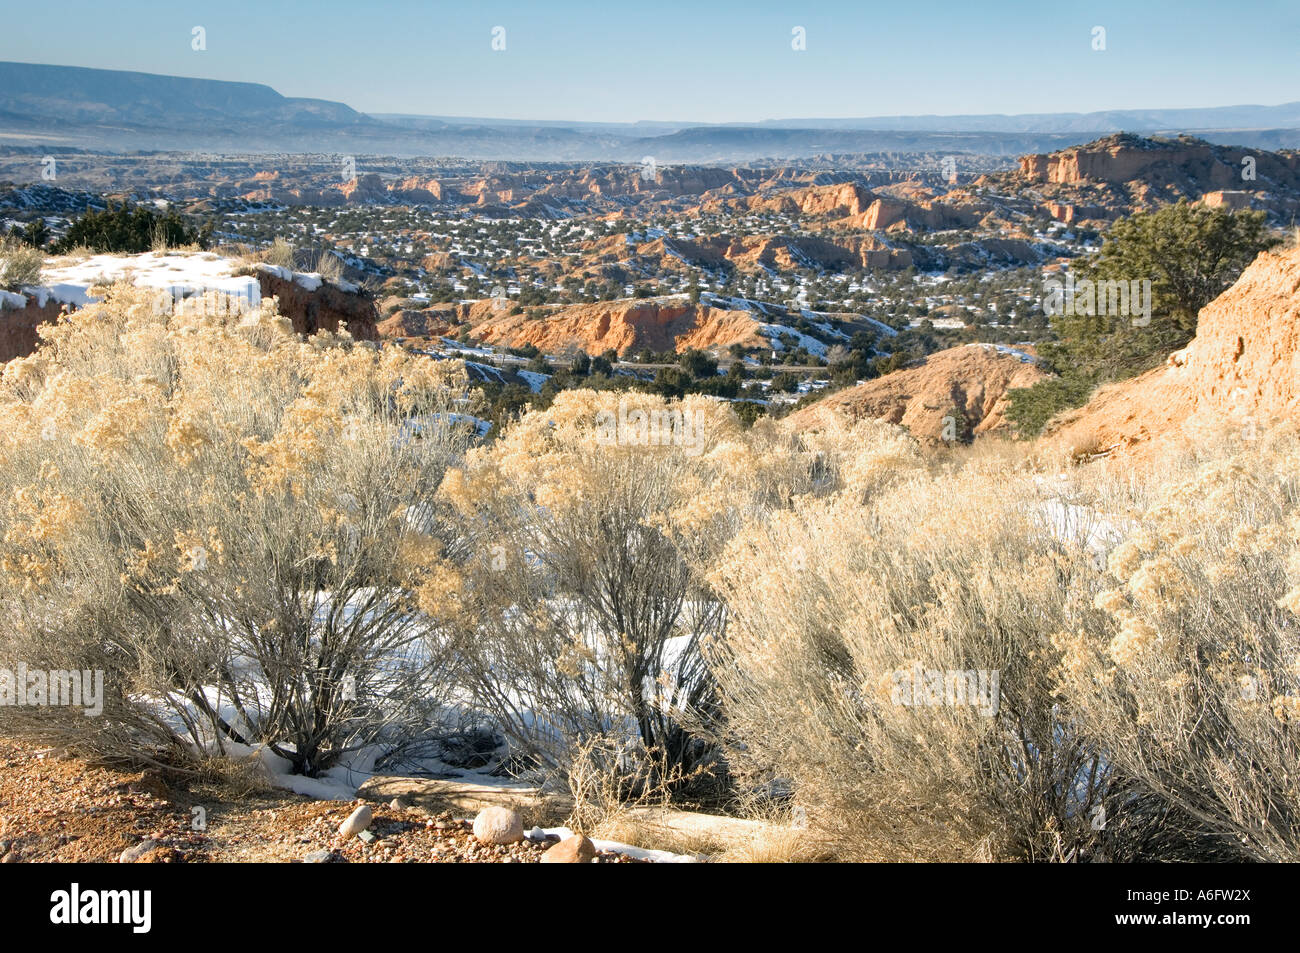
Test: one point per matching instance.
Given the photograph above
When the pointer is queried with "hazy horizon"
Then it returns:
(674, 62)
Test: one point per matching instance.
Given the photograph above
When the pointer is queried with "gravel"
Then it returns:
(65, 809)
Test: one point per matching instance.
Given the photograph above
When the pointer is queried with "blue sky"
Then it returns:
(701, 61)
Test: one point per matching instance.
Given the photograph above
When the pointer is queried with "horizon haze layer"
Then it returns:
(698, 64)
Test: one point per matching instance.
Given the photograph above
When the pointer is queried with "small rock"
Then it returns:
(398, 804)
(536, 834)
(319, 857)
(357, 822)
(577, 849)
(132, 854)
(498, 825)
(10, 858)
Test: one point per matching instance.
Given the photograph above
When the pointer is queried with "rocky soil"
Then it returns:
(58, 808)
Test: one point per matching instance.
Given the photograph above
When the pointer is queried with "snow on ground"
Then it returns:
(310, 280)
(455, 347)
(534, 380)
(810, 344)
(418, 425)
(639, 853)
(1023, 356)
(825, 328)
(820, 319)
(1079, 525)
(181, 273)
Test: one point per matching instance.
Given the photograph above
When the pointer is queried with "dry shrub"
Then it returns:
(839, 601)
(1192, 680)
(229, 521)
(1149, 703)
(586, 615)
(20, 265)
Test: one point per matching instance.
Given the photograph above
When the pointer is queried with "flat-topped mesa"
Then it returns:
(1194, 164)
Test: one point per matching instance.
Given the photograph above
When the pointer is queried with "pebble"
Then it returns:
(357, 822)
(132, 854)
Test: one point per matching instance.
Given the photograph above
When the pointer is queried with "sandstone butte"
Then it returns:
(1123, 158)
(969, 381)
(1113, 176)
(1240, 372)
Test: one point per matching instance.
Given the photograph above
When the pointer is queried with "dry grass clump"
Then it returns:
(20, 265)
(232, 523)
(238, 779)
(280, 253)
(775, 844)
(329, 265)
(618, 790)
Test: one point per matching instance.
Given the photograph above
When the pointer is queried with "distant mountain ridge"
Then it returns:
(82, 94)
(118, 110)
(1282, 116)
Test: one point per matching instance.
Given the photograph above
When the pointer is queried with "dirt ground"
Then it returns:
(60, 808)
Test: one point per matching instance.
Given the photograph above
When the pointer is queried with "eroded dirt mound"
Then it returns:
(321, 306)
(1241, 371)
(955, 394)
(426, 323)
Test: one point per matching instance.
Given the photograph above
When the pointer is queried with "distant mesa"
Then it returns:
(122, 110)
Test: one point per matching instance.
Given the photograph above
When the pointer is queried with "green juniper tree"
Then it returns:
(1190, 253)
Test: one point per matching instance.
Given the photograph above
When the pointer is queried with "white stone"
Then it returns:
(357, 822)
(498, 825)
